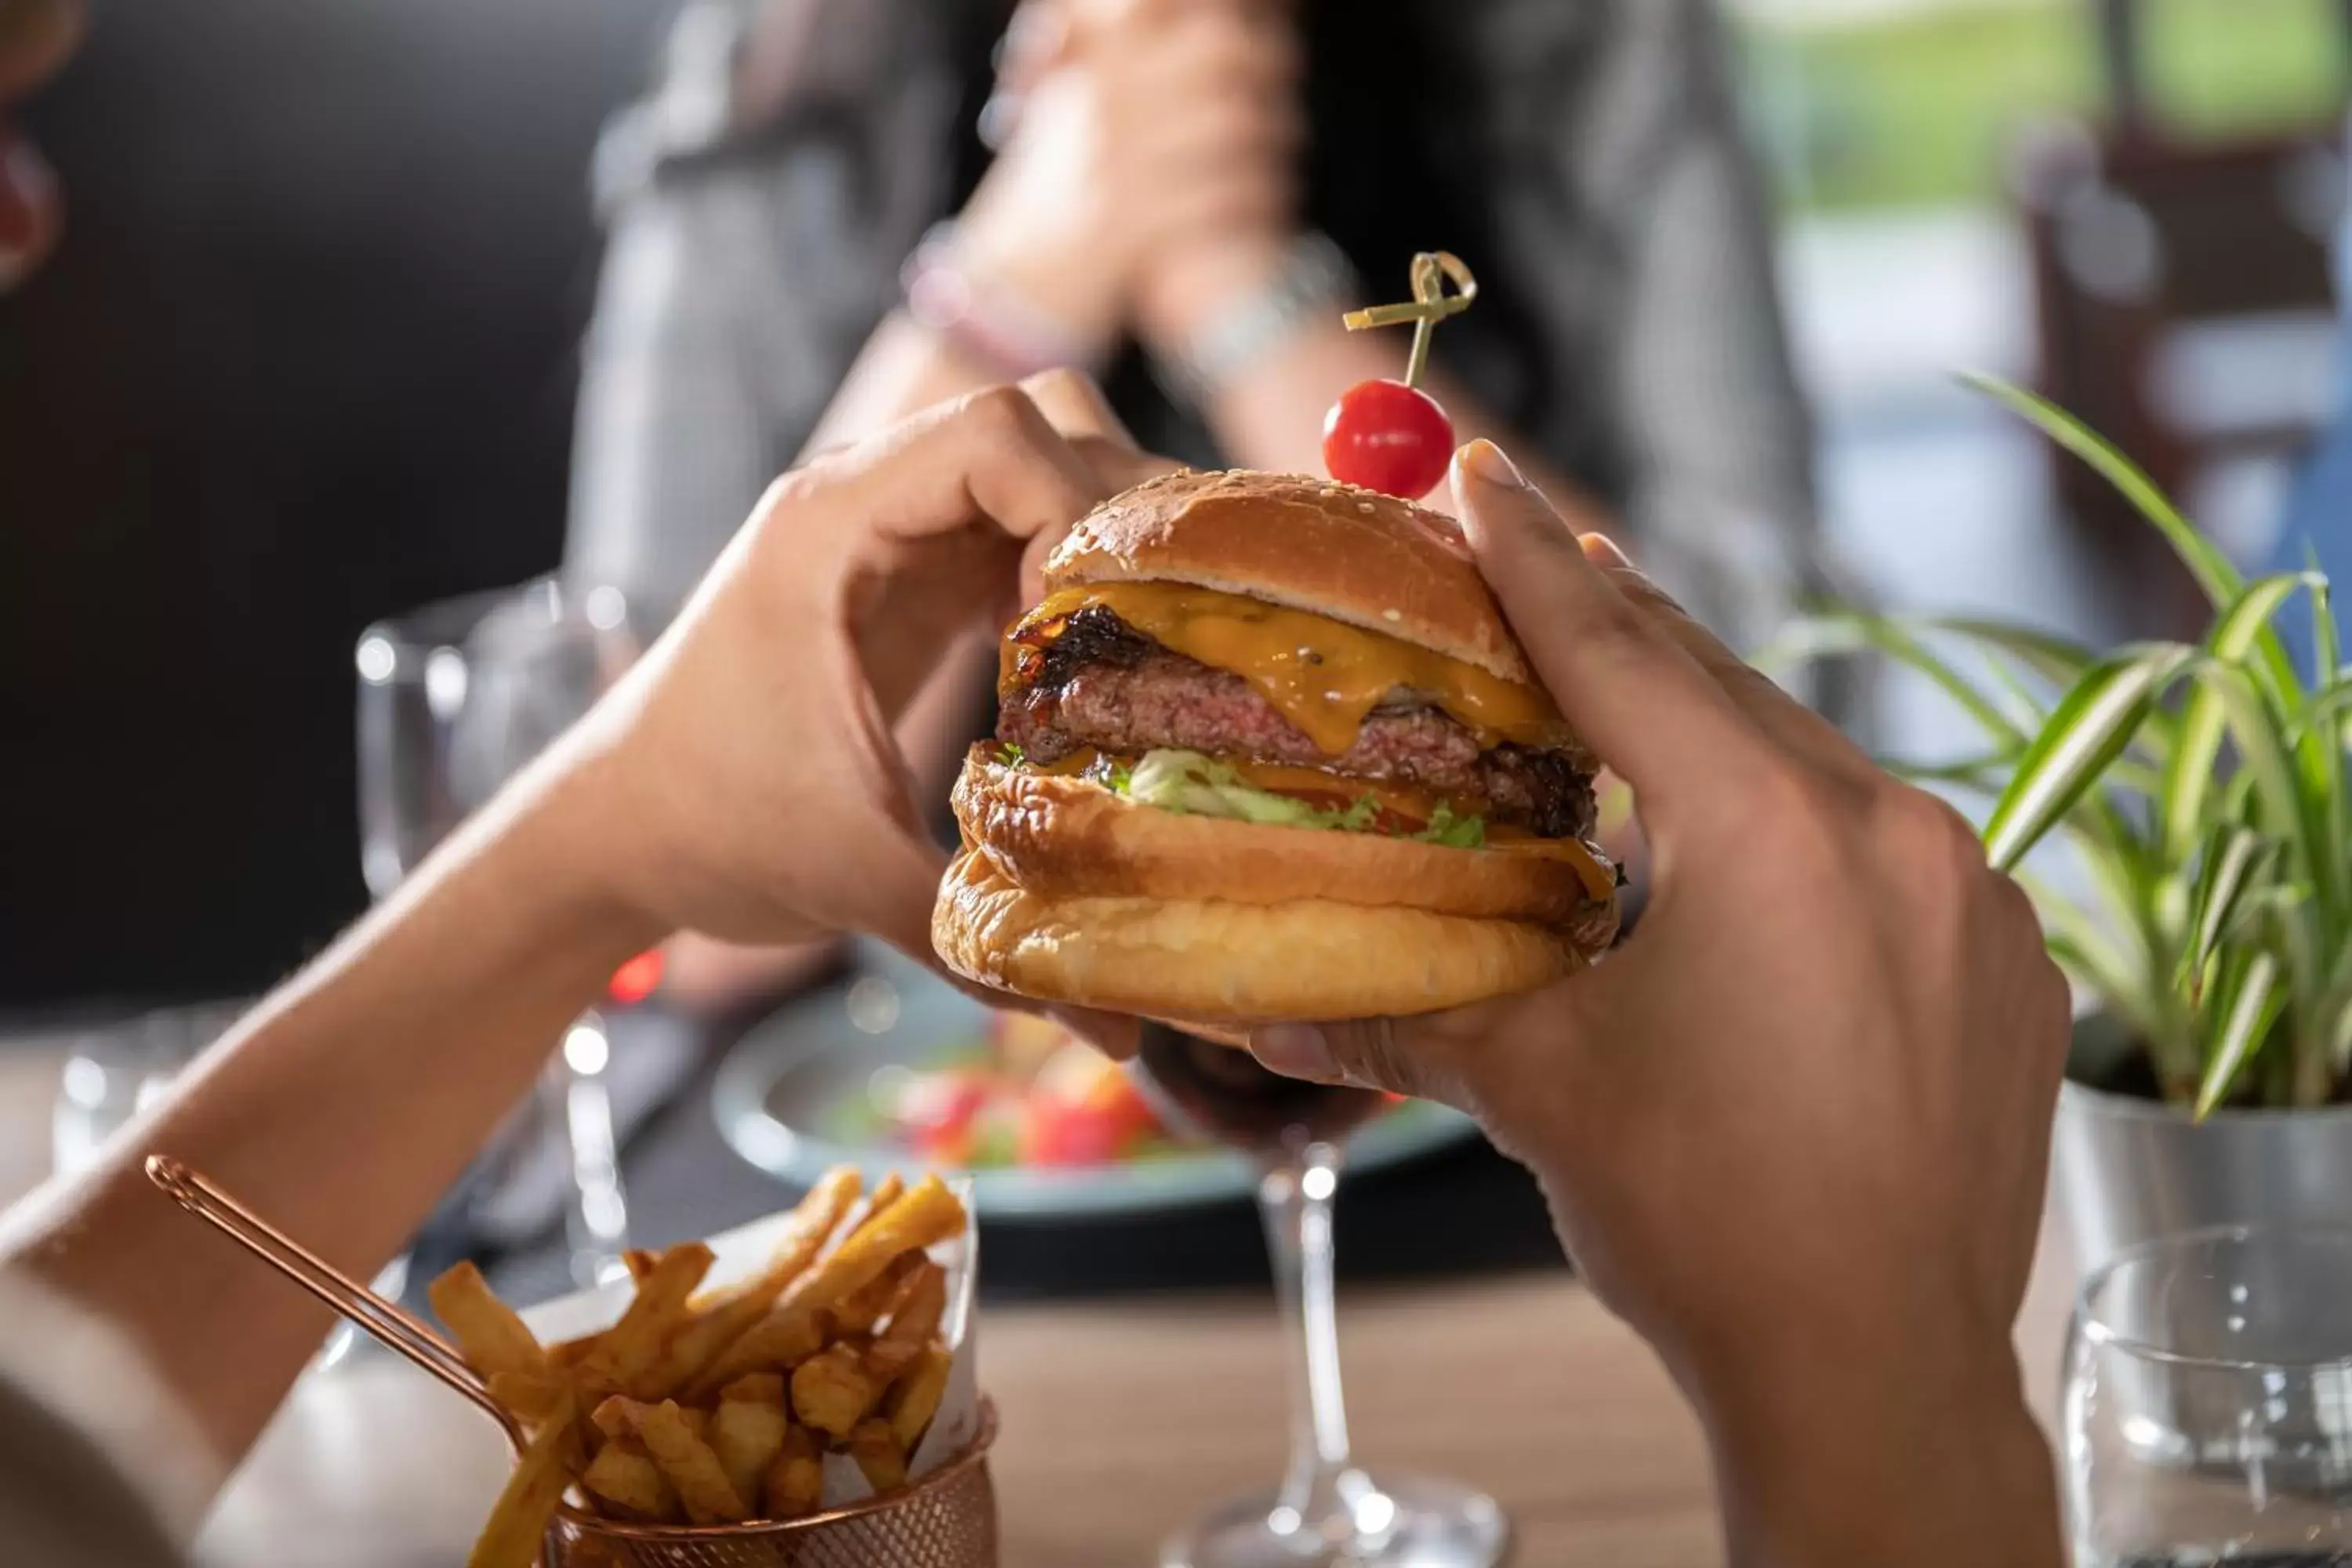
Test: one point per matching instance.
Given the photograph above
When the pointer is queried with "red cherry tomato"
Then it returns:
(1387, 437)
(637, 979)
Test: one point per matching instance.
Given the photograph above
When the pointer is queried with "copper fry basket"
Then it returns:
(947, 1520)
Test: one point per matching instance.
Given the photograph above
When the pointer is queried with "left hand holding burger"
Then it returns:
(741, 779)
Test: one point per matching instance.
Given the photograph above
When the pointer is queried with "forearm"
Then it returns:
(1926, 1468)
(903, 369)
(341, 1110)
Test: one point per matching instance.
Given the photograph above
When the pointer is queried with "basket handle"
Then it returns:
(390, 1324)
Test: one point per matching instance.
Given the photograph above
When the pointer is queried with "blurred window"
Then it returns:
(1879, 103)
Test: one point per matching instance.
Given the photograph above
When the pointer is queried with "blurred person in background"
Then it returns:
(1184, 196)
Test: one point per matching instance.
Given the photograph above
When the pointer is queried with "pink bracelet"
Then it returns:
(990, 327)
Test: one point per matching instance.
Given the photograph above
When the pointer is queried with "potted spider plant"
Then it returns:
(2205, 911)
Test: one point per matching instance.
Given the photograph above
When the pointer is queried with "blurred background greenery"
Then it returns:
(1915, 102)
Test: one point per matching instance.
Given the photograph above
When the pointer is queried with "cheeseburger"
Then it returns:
(1267, 750)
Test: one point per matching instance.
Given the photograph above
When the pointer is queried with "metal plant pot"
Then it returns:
(2130, 1170)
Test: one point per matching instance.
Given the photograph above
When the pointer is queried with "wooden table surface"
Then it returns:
(1123, 1418)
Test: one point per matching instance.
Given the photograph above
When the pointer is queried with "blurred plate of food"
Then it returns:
(896, 1065)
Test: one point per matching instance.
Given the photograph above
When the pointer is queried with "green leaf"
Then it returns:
(2319, 751)
(2250, 1008)
(2088, 730)
(2233, 857)
(1815, 637)
(2211, 569)
(2263, 753)
(2198, 745)
(2221, 581)
(1010, 755)
(2059, 661)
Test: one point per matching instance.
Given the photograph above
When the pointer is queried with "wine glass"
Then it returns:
(1327, 1510)
(2208, 1404)
(453, 698)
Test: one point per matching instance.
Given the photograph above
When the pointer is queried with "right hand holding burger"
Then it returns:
(1795, 1130)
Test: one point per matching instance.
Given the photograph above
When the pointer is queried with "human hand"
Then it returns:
(1795, 1130)
(36, 37)
(1138, 125)
(741, 779)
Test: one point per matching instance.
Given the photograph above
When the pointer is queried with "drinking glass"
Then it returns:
(117, 1067)
(453, 698)
(1327, 1510)
(2208, 1407)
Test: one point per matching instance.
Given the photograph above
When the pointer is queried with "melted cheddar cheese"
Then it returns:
(1320, 674)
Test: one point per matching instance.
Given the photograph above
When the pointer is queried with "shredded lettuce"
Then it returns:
(1188, 781)
(1455, 832)
(1010, 755)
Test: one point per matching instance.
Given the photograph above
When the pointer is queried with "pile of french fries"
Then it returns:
(717, 1408)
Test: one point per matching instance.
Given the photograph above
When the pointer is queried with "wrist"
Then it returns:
(576, 845)
(1227, 317)
(1186, 292)
(1927, 1455)
(1004, 264)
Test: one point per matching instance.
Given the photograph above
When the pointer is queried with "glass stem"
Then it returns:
(1295, 1200)
(596, 1218)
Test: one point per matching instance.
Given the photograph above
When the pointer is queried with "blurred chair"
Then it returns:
(2184, 309)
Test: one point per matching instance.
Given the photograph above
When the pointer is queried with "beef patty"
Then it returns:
(1100, 683)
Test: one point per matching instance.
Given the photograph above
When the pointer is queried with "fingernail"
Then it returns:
(1485, 460)
(1296, 1050)
(1601, 551)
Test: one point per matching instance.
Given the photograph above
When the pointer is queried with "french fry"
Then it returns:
(926, 1215)
(765, 1386)
(748, 1433)
(533, 1397)
(703, 1489)
(511, 1536)
(810, 1223)
(639, 1261)
(795, 1482)
(879, 1454)
(624, 1475)
(565, 1354)
(915, 1311)
(867, 1307)
(490, 1335)
(887, 1191)
(696, 1419)
(914, 1398)
(831, 1390)
(627, 1360)
(725, 1316)
(786, 1337)
(610, 1417)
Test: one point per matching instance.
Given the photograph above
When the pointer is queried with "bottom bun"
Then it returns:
(1213, 963)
